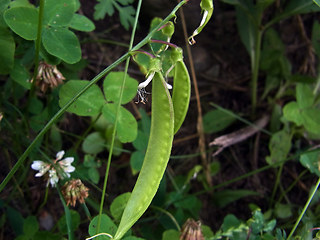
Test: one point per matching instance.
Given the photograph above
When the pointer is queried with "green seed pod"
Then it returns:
(180, 94)
(156, 158)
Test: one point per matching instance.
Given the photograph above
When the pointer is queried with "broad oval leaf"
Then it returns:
(88, 104)
(81, 23)
(112, 85)
(304, 95)
(118, 204)
(23, 21)
(62, 43)
(292, 112)
(171, 234)
(94, 143)
(7, 48)
(58, 12)
(127, 126)
(279, 146)
(311, 120)
(107, 226)
(310, 161)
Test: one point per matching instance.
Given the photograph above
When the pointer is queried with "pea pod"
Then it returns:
(207, 9)
(181, 89)
(156, 158)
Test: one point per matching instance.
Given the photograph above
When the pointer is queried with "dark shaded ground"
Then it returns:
(223, 72)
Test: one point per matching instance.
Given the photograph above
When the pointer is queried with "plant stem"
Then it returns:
(84, 89)
(304, 209)
(255, 62)
(276, 185)
(68, 216)
(37, 50)
(116, 117)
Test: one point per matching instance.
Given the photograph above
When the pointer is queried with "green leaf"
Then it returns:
(127, 16)
(118, 204)
(295, 7)
(143, 62)
(158, 35)
(230, 222)
(62, 43)
(207, 232)
(88, 104)
(127, 124)
(310, 161)
(38, 121)
(304, 95)
(136, 161)
(316, 36)
(55, 138)
(258, 222)
(112, 86)
(311, 120)
(102, 8)
(232, 2)
(292, 112)
(107, 226)
(75, 220)
(141, 142)
(58, 13)
(20, 3)
(94, 175)
(23, 21)
(247, 29)
(225, 197)
(216, 120)
(93, 143)
(317, 2)
(3, 6)
(283, 210)
(81, 23)
(279, 146)
(7, 48)
(35, 106)
(190, 203)
(20, 75)
(171, 235)
(30, 226)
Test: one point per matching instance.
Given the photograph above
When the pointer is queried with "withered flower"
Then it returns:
(74, 190)
(191, 230)
(48, 76)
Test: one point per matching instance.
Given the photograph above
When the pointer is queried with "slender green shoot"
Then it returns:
(37, 48)
(68, 215)
(116, 117)
(304, 209)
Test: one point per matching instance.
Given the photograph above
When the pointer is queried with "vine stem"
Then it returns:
(84, 89)
(37, 50)
(304, 209)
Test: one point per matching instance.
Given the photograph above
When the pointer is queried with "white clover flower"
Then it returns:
(57, 170)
